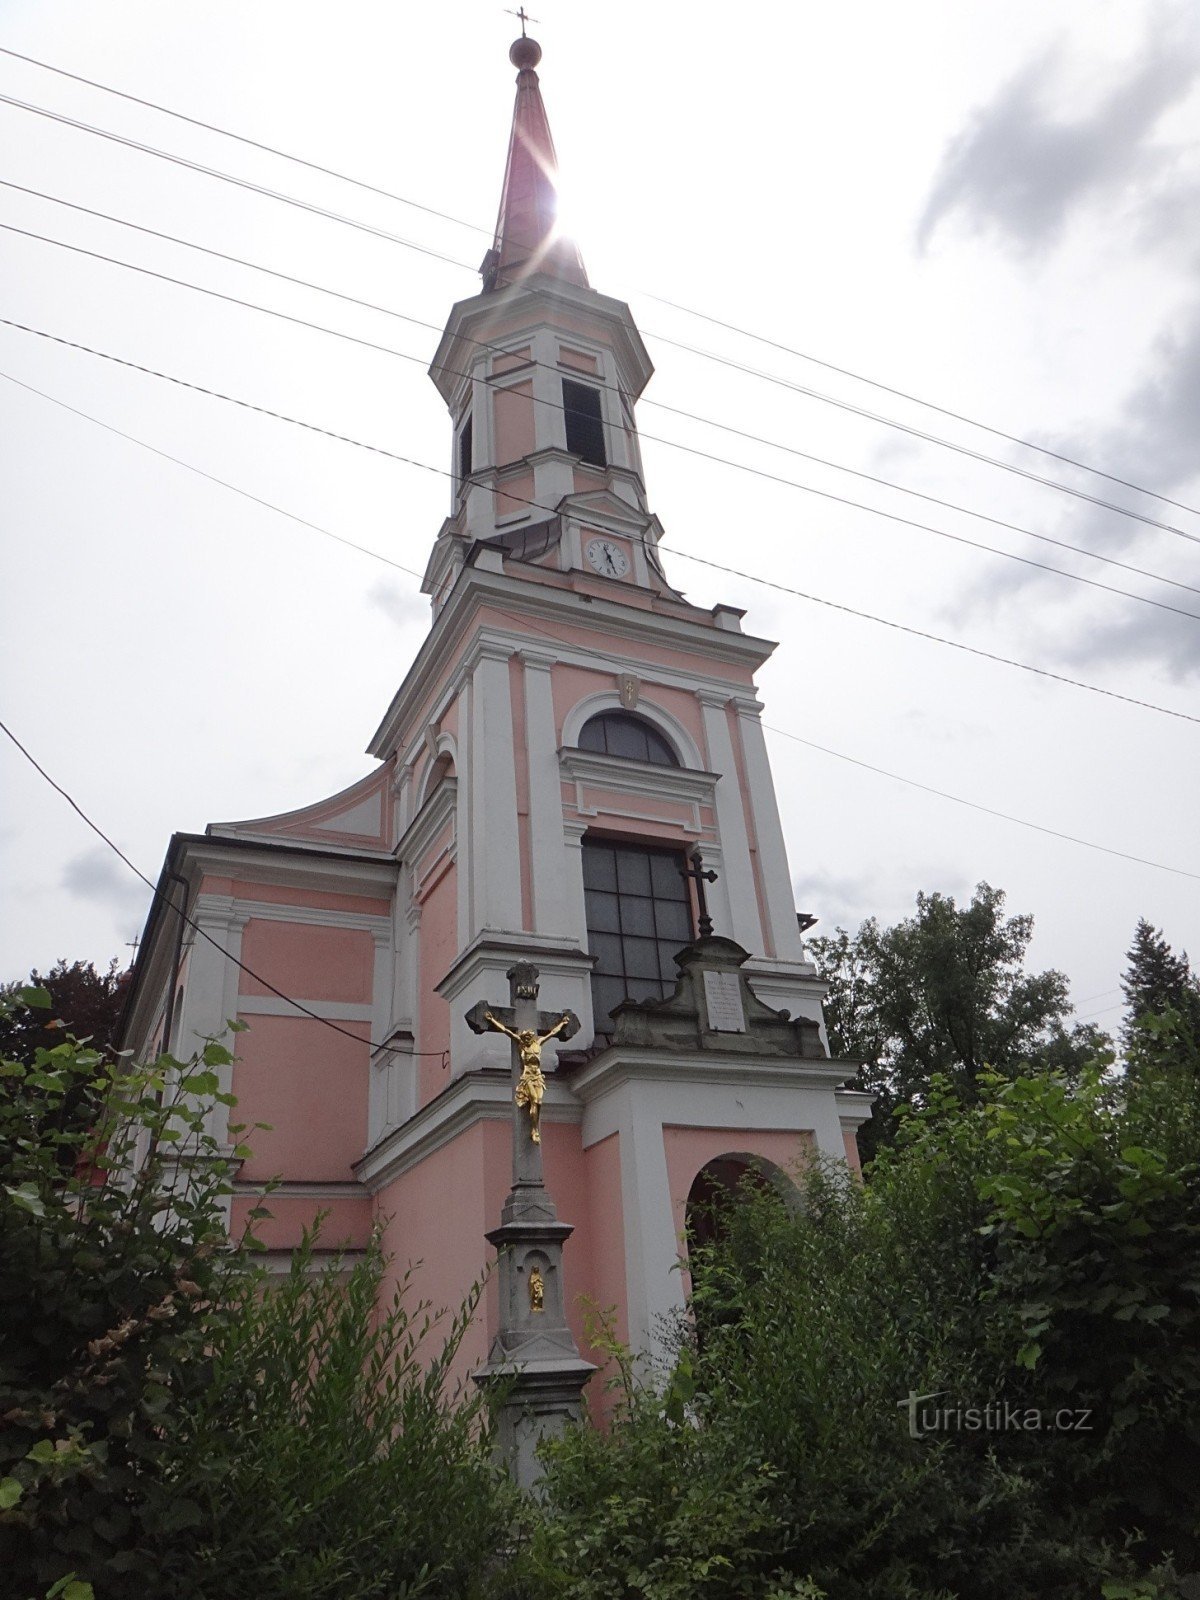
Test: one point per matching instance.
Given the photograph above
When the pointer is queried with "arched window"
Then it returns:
(617, 733)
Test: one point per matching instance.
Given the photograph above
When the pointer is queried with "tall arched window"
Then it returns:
(618, 733)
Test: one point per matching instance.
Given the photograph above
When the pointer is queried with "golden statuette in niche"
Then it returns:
(537, 1290)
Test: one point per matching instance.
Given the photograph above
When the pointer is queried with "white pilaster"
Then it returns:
(549, 861)
(495, 847)
(731, 825)
(772, 852)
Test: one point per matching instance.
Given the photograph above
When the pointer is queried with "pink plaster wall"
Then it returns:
(347, 1220)
(310, 1084)
(509, 362)
(515, 432)
(434, 1217)
(513, 495)
(309, 962)
(288, 895)
(602, 1165)
(850, 1140)
(579, 359)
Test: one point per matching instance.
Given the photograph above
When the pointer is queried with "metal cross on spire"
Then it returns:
(523, 16)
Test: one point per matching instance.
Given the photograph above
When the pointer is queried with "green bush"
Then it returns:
(1038, 1249)
(330, 1457)
(174, 1421)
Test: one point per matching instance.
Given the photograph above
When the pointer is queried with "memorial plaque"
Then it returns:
(723, 998)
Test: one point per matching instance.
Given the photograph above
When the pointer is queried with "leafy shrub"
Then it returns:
(1037, 1249)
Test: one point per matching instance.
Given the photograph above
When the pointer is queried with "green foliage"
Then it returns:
(1035, 1249)
(108, 1272)
(944, 992)
(87, 1001)
(174, 1421)
(329, 1457)
(1158, 984)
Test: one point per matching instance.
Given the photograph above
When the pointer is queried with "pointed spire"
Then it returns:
(527, 240)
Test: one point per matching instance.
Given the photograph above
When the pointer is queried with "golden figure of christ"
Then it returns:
(531, 1085)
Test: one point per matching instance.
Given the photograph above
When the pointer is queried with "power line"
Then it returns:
(160, 894)
(254, 144)
(974, 805)
(741, 433)
(673, 444)
(707, 355)
(441, 472)
(920, 633)
(583, 649)
(241, 183)
(675, 305)
(933, 438)
(929, 405)
(212, 478)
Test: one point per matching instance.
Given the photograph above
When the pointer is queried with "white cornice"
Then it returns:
(475, 1097)
(620, 1064)
(639, 777)
(634, 625)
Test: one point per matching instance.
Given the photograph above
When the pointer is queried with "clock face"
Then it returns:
(607, 558)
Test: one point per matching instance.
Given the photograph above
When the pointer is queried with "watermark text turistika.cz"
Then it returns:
(997, 1416)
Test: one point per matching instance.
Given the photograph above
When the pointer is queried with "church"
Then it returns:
(570, 784)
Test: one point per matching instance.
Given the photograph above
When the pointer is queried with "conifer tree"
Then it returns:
(1155, 982)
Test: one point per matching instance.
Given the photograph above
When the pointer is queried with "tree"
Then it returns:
(1156, 982)
(1030, 1265)
(87, 1001)
(944, 992)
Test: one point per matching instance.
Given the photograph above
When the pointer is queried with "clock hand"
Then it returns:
(609, 559)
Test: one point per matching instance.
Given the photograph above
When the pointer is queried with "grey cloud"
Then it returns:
(96, 875)
(1154, 442)
(1018, 168)
(844, 900)
(400, 602)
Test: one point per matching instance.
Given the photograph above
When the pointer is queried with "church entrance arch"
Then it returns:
(717, 1185)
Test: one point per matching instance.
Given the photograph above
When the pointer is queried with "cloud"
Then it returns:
(1152, 441)
(844, 900)
(95, 875)
(1019, 167)
(400, 602)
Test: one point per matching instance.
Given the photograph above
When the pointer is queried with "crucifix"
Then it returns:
(697, 874)
(529, 1029)
(524, 17)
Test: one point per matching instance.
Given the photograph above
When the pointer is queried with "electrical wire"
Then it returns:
(774, 444)
(441, 472)
(240, 183)
(707, 355)
(160, 894)
(674, 305)
(574, 644)
(673, 444)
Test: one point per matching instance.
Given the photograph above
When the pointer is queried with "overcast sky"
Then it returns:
(991, 207)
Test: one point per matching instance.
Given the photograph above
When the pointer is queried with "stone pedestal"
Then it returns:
(534, 1363)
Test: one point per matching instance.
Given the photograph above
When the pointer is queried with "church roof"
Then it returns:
(527, 237)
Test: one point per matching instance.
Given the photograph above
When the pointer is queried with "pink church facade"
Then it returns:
(570, 733)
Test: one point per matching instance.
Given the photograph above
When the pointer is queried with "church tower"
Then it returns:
(572, 772)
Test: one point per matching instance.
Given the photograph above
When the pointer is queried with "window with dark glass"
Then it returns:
(464, 452)
(616, 733)
(638, 915)
(585, 426)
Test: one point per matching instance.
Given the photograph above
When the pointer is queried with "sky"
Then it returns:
(990, 208)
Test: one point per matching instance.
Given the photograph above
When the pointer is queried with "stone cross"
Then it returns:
(529, 1029)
